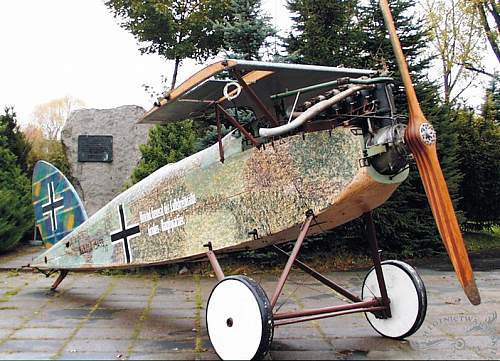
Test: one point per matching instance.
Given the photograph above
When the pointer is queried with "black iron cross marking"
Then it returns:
(52, 206)
(125, 234)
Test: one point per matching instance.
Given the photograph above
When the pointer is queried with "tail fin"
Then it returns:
(58, 209)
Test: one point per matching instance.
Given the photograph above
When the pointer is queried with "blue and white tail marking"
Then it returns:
(58, 208)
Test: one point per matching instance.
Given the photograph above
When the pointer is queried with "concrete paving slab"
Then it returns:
(5, 332)
(157, 346)
(305, 355)
(41, 333)
(30, 346)
(149, 332)
(289, 344)
(165, 356)
(52, 322)
(86, 320)
(115, 322)
(289, 332)
(78, 355)
(135, 305)
(11, 323)
(88, 332)
(97, 345)
(19, 257)
(25, 355)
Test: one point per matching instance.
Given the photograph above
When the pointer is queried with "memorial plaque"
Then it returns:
(95, 148)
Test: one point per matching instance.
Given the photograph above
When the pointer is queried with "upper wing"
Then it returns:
(197, 94)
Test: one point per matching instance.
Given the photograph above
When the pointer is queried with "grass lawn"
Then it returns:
(483, 241)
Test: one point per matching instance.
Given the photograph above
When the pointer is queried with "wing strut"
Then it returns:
(254, 97)
(234, 122)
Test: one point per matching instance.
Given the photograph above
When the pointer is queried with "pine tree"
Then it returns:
(377, 49)
(479, 138)
(324, 33)
(405, 222)
(246, 30)
(491, 106)
(167, 143)
(352, 34)
(16, 141)
(15, 198)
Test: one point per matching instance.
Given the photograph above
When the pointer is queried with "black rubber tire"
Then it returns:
(421, 294)
(265, 311)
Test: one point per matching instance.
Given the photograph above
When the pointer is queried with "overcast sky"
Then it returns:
(52, 48)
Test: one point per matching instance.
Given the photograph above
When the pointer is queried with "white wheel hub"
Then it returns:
(234, 320)
(407, 296)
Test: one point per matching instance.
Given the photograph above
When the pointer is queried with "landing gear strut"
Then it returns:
(240, 317)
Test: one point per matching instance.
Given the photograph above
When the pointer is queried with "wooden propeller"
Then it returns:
(421, 140)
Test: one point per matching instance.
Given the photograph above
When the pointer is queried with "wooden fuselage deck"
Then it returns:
(255, 198)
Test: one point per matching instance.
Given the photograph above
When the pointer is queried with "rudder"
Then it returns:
(58, 208)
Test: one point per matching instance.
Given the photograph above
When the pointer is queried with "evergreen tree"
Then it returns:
(480, 163)
(246, 30)
(353, 34)
(405, 221)
(167, 143)
(325, 32)
(15, 198)
(491, 106)
(377, 50)
(16, 141)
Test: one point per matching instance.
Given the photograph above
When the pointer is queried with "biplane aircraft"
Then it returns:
(323, 146)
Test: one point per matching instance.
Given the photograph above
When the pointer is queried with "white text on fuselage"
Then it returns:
(167, 207)
(166, 225)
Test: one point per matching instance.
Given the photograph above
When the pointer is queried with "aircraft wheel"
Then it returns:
(408, 298)
(239, 319)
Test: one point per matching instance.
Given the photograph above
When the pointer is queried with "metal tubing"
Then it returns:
(215, 265)
(311, 112)
(372, 239)
(255, 98)
(291, 259)
(59, 279)
(319, 317)
(321, 311)
(324, 280)
(331, 84)
(219, 135)
(238, 125)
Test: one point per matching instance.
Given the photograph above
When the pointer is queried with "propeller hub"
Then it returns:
(427, 133)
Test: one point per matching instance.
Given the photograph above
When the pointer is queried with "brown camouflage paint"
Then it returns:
(267, 189)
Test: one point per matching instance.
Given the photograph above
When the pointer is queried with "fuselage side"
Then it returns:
(256, 197)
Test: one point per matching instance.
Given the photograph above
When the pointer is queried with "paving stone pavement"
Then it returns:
(92, 316)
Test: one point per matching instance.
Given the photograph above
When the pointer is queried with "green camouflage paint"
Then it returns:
(182, 206)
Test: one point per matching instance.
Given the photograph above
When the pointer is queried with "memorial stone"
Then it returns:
(102, 146)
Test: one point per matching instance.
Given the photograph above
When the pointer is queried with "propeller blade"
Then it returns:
(421, 140)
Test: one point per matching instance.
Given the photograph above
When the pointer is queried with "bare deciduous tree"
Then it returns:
(52, 115)
(458, 42)
(492, 8)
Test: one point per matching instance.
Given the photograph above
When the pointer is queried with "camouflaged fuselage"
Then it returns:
(255, 198)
